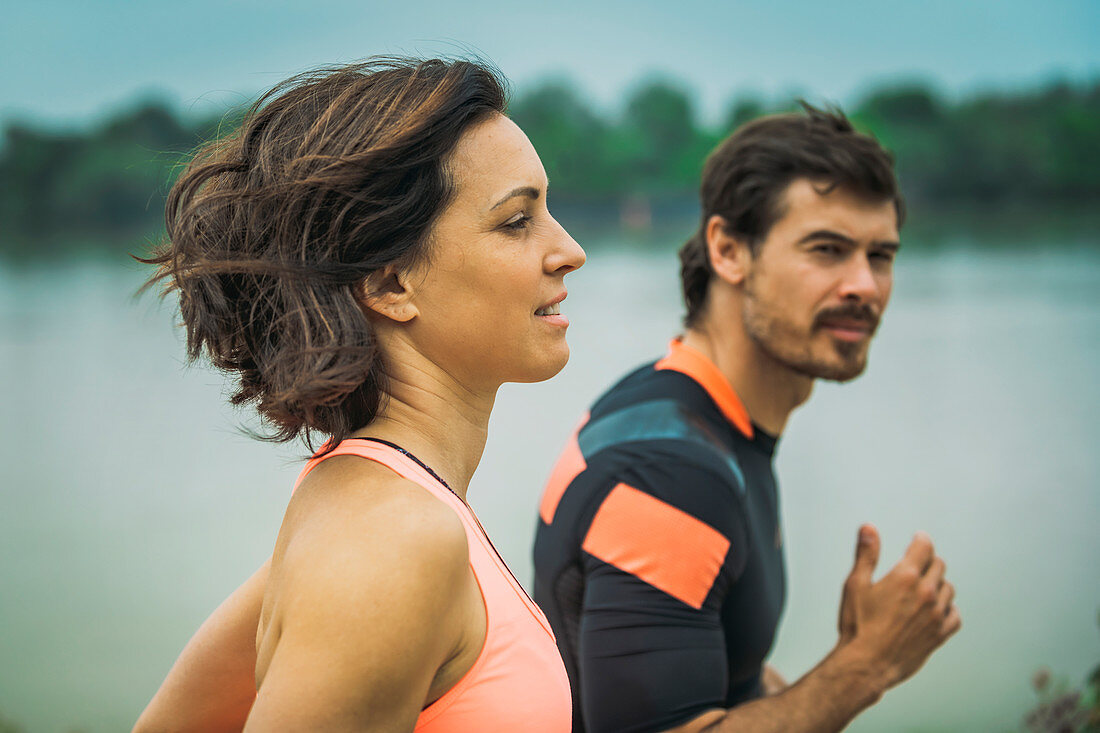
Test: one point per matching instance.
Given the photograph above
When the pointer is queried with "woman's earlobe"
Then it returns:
(387, 293)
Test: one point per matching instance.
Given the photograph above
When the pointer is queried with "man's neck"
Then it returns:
(769, 390)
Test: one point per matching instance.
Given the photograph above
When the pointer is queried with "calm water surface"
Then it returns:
(131, 505)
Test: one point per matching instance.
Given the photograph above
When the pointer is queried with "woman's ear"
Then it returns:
(730, 255)
(388, 293)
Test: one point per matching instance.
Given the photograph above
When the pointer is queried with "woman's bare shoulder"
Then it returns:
(352, 483)
(367, 562)
(354, 526)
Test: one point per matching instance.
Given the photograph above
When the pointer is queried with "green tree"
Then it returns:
(744, 108)
(572, 141)
(662, 147)
(1039, 147)
(909, 120)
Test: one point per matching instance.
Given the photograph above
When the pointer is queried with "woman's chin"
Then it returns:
(546, 367)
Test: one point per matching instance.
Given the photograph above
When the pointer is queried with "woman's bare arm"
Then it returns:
(365, 612)
(212, 685)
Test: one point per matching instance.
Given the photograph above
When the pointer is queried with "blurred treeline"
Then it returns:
(1037, 148)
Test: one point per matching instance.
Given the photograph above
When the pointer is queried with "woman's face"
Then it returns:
(487, 297)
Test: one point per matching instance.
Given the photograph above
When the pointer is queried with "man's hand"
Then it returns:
(772, 682)
(895, 624)
(887, 631)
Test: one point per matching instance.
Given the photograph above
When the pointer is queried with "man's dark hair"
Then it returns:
(746, 176)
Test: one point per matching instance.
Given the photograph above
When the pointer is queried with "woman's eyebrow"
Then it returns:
(528, 191)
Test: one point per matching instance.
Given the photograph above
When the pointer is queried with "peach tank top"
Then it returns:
(518, 682)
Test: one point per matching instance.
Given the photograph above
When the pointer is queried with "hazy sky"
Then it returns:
(64, 61)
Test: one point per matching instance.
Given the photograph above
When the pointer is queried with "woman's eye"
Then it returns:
(518, 223)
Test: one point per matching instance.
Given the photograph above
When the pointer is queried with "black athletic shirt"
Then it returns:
(658, 555)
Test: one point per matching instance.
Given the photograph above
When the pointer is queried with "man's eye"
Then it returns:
(827, 249)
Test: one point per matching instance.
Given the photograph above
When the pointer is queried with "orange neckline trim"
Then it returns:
(686, 360)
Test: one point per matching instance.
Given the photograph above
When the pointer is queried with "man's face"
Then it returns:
(820, 280)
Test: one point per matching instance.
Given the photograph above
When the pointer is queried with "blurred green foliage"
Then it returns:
(1040, 147)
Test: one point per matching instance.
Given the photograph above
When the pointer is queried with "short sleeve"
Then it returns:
(659, 553)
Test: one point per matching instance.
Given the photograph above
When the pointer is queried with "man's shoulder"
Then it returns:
(645, 384)
(661, 456)
(658, 422)
(662, 452)
(655, 430)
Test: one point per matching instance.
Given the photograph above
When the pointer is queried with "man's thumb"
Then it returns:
(867, 548)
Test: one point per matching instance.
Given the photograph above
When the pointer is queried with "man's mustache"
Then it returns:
(849, 312)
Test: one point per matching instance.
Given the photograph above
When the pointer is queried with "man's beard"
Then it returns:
(787, 345)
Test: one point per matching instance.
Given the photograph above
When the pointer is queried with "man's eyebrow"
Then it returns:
(527, 191)
(830, 235)
(827, 234)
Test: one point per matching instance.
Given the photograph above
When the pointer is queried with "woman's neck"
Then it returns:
(436, 419)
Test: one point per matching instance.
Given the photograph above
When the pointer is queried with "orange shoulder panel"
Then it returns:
(658, 543)
(686, 360)
(569, 465)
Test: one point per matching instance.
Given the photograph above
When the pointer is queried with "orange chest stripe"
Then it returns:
(658, 543)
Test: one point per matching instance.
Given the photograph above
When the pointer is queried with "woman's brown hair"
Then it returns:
(273, 229)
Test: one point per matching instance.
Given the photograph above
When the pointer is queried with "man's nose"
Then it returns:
(859, 283)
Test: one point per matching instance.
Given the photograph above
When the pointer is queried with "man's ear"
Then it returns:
(388, 293)
(730, 255)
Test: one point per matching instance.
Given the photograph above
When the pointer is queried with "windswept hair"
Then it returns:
(746, 176)
(273, 230)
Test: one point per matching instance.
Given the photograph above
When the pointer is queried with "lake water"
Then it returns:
(130, 504)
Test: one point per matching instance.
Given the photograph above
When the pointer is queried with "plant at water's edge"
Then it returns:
(1064, 710)
(9, 726)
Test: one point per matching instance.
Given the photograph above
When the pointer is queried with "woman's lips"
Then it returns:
(557, 320)
(551, 311)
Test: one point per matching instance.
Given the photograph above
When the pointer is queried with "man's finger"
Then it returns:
(951, 623)
(935, 572)
(946, 598)
(867, 549)
(920, 552)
